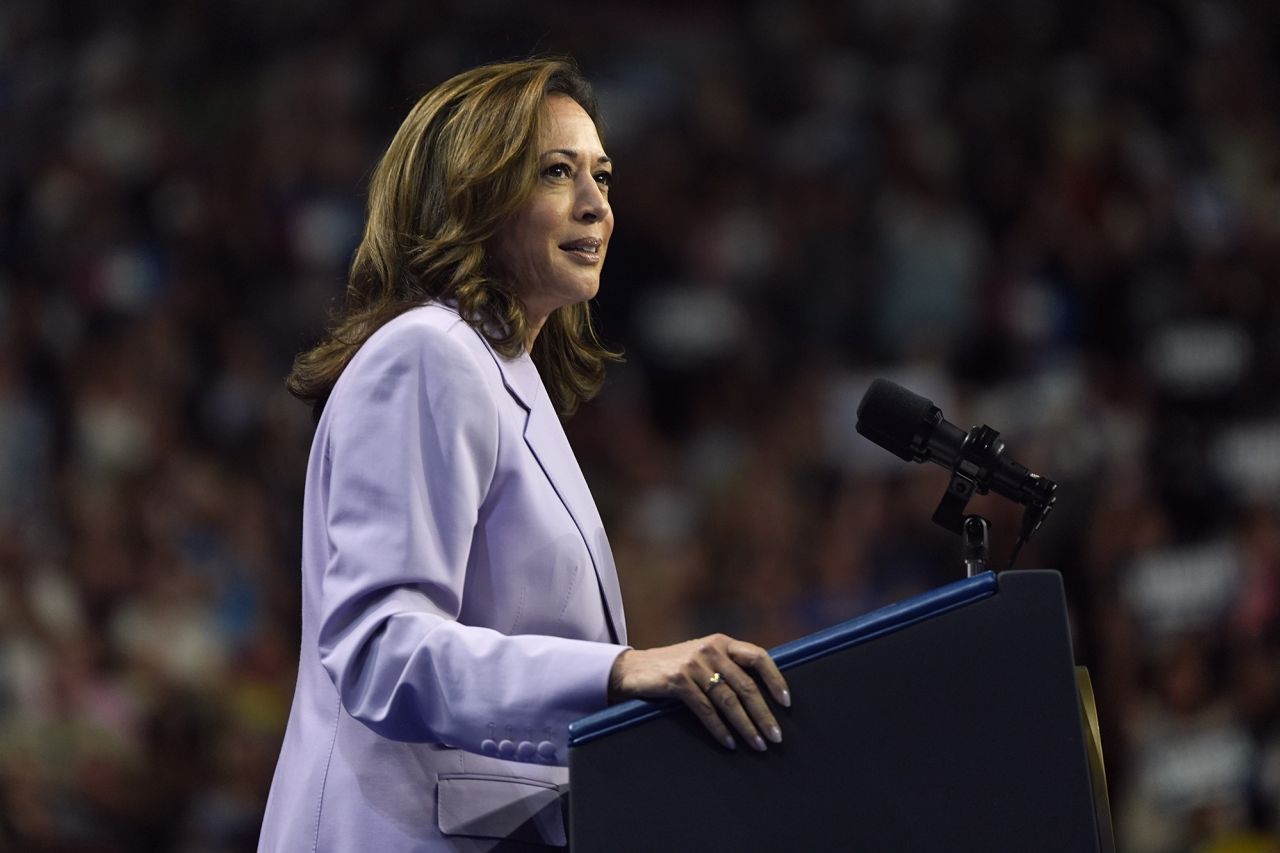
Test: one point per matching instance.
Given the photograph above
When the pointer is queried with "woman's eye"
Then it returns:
(604, 179)
(559, 170)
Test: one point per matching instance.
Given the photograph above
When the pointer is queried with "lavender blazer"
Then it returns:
(459, 605)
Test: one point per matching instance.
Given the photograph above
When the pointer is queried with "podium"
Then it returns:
(948, 722)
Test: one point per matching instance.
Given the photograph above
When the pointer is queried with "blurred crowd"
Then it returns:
(1058, 218)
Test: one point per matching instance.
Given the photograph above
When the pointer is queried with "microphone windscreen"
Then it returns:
(893, 417)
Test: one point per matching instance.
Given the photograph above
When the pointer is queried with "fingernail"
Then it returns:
(775, 734)
(758, 743)
(786, 698)
(728, 742)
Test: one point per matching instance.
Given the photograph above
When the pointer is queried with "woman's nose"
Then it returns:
(592, 203)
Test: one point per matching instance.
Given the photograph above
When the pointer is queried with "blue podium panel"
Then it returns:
(948, 722)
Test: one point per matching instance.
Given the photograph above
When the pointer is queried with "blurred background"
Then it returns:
(1058, 218)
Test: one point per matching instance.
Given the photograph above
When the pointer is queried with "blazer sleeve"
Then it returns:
(411, 450)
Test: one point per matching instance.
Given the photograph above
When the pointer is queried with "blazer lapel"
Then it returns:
(546, 439)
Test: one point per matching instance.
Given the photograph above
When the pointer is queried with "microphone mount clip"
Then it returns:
(978, 459)
(971, 475)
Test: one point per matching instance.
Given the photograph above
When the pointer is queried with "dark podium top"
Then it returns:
(948, 722)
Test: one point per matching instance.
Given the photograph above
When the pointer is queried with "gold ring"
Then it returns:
(716, 678)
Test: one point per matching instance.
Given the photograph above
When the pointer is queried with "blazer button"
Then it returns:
(489, 747)
(547, 751)
(506, 749)
(525, 751)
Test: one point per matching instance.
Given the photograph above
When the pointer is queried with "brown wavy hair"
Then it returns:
(462, 163)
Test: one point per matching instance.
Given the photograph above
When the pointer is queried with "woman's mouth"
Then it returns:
(586, 250)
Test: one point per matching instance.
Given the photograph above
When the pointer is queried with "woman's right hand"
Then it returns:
(711, 676)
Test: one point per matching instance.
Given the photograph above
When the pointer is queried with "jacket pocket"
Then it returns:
(490, 806)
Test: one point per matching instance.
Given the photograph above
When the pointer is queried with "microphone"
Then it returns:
(912, 428)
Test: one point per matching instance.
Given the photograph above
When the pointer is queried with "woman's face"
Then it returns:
(554, 247)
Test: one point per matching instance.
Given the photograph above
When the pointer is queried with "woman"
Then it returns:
(460, 605)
